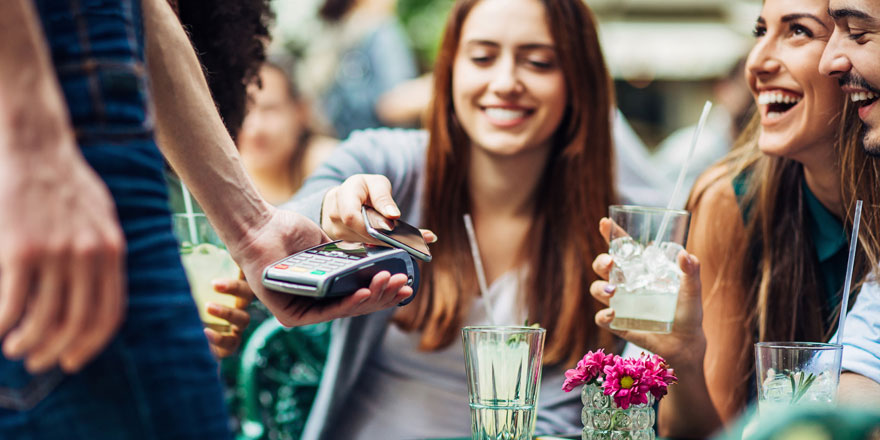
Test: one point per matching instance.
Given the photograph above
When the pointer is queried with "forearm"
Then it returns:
(687, 411)
(190, 132)
(858, 390)
(33, 115)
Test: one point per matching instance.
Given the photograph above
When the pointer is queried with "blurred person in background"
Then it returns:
(361, 53)
(278, 146)
(768, 225)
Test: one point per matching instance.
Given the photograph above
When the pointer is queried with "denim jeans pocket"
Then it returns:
(20, 390)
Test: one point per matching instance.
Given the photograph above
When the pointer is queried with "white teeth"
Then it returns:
(773, 115)
(861, 96)
(777, 98)
(503, 114)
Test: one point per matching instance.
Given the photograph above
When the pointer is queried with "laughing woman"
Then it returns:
(766, 224)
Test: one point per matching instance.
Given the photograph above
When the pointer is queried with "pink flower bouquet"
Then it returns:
(627, 380)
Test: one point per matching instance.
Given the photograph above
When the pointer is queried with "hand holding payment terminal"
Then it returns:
(340, 268)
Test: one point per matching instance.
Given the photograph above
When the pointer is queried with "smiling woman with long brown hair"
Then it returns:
(519, 136)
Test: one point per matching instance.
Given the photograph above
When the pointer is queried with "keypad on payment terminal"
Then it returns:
(317, 262)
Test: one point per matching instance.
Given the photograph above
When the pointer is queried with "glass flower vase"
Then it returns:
(604, 420)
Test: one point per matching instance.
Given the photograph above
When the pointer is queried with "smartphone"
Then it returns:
(396, 233)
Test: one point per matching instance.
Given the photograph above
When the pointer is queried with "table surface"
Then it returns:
(537, 437)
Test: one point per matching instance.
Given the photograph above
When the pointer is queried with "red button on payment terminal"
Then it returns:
(281, 266)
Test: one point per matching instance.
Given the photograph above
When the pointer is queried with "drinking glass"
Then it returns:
(205, 259)
(645, 243)
(796, 373)
(504, 374)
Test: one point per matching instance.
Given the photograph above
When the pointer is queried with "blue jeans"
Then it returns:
(157, 378)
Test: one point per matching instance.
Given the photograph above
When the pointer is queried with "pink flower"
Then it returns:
(658, 375)
(625, 382)
(588, 369)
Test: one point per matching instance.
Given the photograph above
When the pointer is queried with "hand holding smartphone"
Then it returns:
(396, 233)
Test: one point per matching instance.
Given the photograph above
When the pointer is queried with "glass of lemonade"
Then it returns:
(504, 374)
(645, 243)
(796, 373)
(205, 259)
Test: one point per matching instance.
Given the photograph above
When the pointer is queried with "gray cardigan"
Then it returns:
(400, 156)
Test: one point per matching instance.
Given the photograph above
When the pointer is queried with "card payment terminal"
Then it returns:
(339, 268)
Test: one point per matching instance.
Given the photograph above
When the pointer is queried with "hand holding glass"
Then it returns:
(205, 261)
(645, 243)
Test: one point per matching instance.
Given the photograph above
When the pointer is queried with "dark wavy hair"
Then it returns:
(230, 38)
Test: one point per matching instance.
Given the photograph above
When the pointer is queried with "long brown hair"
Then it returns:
(775, 261)
(574, 192)
(860, 179)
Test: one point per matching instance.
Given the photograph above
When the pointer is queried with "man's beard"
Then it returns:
(871, 148)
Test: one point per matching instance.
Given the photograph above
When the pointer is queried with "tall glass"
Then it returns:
(796, 373)
(504, 374)
(645, 243)
(205, 259)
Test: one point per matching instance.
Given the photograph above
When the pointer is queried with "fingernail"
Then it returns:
(432, 238)
(605, 260)
(392, 210)
(220, 284)
(610, 288)
(211, 307)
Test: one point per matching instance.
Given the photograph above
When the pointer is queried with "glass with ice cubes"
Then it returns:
(645, 243)
(796, 373)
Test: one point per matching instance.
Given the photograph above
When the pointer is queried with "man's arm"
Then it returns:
(62, 249)
(858, 390)
(193, 139)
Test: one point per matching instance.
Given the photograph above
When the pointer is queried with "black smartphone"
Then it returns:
(396, 233)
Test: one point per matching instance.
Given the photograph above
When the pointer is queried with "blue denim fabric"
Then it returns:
(157, 379)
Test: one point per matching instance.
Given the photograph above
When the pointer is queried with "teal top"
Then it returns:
(827, 234)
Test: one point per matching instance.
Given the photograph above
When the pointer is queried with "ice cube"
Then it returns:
(822, 390)
(777, 389)
(624, 249)
(670, 250)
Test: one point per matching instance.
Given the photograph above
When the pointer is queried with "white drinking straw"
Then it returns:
(681, 174)
(478, 265)
(190, 215)
(853, 242)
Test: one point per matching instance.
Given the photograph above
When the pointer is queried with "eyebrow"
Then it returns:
(528, 46)
(838, 14)
(793, 17)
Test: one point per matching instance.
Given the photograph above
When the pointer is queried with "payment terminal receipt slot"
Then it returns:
(339, 268)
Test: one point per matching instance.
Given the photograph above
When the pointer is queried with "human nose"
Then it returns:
(761, 61)
(833, 62)
(505, 78)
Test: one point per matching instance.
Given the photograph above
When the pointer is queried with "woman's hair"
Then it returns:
(229, 37)
(334, 10)
(860, 180)
(775, 262)
(574, 192)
